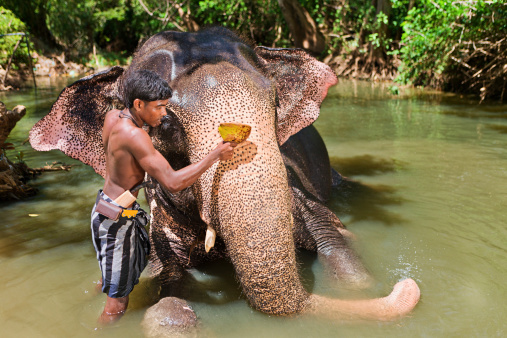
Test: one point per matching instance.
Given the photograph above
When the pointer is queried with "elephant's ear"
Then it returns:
(302, 83)
(74, 124)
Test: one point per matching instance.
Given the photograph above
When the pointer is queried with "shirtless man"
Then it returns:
(129, 155)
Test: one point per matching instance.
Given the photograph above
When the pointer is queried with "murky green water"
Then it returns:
(430, 205)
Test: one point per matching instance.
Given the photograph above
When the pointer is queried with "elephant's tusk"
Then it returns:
(209, 242)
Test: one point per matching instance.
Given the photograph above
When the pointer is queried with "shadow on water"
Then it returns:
(59, 214)
(212, 283)
(499, 128)
(305, 261)
(365, 201)
(366, 165)
(32, 233)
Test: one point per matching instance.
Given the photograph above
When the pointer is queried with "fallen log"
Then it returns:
(55, 166)
(13, 176)
(8, 120)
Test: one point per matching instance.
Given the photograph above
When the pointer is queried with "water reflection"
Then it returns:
(364, 165)
(362, 202)
(501, 129)
(491, 113)
(58, 211)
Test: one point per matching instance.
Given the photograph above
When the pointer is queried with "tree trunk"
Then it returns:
(190, 23)
(8, 120)
(382, 6)
(12, 175)
(303, 28)
(9, 66)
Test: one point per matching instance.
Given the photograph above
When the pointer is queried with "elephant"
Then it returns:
(265, 202)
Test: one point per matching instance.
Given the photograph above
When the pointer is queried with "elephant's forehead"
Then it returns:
(214, 92)
(223, 94)
(160, 61)
(223, 83)
(172, 54)
(210, 81)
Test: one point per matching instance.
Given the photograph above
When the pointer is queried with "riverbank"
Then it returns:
(491, 86)
(488, 84)
(44, 66)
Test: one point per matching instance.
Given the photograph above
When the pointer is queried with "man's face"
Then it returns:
(151, 112)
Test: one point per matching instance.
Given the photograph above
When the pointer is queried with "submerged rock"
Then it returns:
(171, 316)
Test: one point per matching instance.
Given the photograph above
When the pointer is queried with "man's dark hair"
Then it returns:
(144, 85)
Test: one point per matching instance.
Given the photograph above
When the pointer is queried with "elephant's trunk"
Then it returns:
(248, 202)
(255, 222)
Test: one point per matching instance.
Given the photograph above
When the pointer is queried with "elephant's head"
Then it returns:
(218, 78)
(215, 77)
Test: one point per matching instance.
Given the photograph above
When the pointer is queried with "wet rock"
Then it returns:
(171, 316)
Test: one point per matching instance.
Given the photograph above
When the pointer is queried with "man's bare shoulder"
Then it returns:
(110, 119)
(124, 134)
(112, 112)
(118, 125)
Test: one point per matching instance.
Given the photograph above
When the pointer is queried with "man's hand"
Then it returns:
(225, 150)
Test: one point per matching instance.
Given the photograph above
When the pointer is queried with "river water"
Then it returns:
(431, 173)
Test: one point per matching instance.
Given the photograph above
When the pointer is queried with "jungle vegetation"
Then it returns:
(455, 45)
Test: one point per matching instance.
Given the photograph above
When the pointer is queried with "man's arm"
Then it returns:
(157, 166)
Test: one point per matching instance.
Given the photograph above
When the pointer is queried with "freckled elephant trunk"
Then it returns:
(248, 202)
(257, 231)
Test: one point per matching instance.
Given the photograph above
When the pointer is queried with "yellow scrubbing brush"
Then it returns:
(234, 132)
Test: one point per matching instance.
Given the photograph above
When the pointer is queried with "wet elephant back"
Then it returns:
(305, 154)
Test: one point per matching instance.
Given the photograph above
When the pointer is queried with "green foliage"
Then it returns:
(353, 19)
(436, 30)
(353, 25)
(258, 20)
(437, 41)
(106, 59)
(110, 25)
(9, 23)
(394, 90)
(71, 22)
